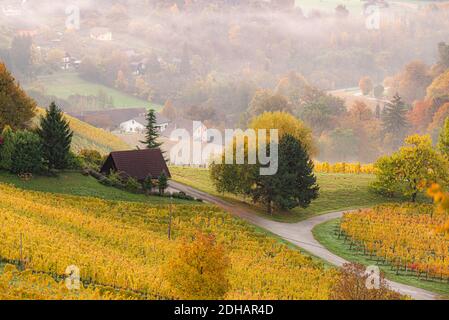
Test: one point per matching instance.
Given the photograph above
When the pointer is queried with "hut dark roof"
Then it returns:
(137, 163)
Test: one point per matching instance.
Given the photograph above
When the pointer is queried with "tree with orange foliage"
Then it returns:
(121, 82)
(169, 110)
(366, 85)
(360, 111)
(441, 199)
(439, 117)
(197, 271)
(412, 82)
(421, 115)
(352, 285)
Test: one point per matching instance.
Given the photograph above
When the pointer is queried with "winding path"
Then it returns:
(299, 234)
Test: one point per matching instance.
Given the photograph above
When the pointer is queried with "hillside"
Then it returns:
(124, 245)
(76, 184)
(89, 137)
(64, 85)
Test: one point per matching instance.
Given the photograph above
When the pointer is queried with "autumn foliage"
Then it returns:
(404, 236)
(352, 285)
(124, 245)
(198, 269)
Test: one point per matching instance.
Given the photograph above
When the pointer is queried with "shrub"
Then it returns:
(27, 156)
(148, 184)
(116, 179)
(91, 158)
(132, 184)
(74, 162)
(162, 182)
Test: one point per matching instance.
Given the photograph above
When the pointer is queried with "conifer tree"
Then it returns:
(152, 133)
(56, 138)
(294, 185)
(394, 118)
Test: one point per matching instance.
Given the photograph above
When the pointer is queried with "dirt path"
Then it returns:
(299, 234)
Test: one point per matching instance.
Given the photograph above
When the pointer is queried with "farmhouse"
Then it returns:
(138, 124)
(196, 129)
(138, 164)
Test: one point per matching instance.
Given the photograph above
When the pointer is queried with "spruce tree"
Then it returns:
(16, 108)
(56, 138)
(443, 142)
(394, 118)
(294, 185)
(152, 133)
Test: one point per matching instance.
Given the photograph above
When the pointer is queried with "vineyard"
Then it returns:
(28, 285)
(124, 247)
(343, 167)
(402, 236)
(89, 137)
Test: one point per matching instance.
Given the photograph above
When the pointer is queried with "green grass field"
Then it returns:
(74, 183)
(338, 192)
(63, 85)
(325, 234)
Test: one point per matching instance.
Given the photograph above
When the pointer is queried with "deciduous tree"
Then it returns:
(198, 269)
(366, 85)
(16, 108)
(285, 123)
(405, 171)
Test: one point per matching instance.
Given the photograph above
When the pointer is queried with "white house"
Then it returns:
(196, 129)
(138, 124)
(132, 126)
(101, 34)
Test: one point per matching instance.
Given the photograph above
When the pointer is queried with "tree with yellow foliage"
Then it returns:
(198, 269)
(285, 123)
(405, 170)
(439, 86)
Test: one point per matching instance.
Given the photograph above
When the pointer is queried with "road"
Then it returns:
(299, 234)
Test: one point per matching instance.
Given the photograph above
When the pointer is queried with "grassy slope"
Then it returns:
(73, 183)
(89, 137)
(62, 85)
(325, 234)
(338, 192)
